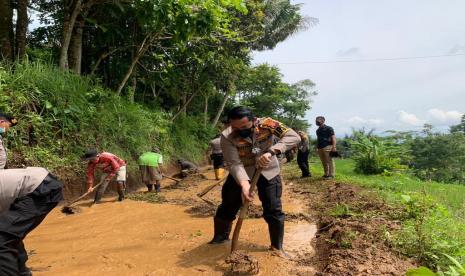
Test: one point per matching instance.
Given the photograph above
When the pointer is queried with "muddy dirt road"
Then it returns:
(169, 238)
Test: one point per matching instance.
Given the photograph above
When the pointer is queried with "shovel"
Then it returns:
(244, 209)
(172, 178)
(208, 189)
(68, 208)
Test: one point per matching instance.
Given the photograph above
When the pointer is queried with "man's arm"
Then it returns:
(115, 167)
(231, 157)
(334, 142)
(90, 175)
(288, 140)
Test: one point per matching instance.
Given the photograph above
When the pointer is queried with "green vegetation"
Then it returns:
(429, 155)
(62, 114)
(433, 218)
(127, 76)
(374, 155)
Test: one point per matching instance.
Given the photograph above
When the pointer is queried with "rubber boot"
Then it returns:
(120, 191)
(220, 173)
(98, 197)
(149, 187)
(276, 237)
(157, 188)
(217, 174)
(222, 230)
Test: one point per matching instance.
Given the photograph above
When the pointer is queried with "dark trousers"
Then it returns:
(269, 193)
(302, 161)
(217, 159)
(25, 214)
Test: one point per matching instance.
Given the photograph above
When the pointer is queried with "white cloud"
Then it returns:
(353, 51)
(359, 121)
(457, 49)
(443, 116)
(410, 119)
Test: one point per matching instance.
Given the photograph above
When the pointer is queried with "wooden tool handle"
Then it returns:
(209, 188)
(244, 210)
(84, 195)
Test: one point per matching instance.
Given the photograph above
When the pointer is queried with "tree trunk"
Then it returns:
(132, 92)
(75, 50)
(68, 26)
(205, 112)
(140, 52)
(21, 28)
(6, 29)
(183, 108)
(220, 111)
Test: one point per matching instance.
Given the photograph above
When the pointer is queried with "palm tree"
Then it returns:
(282, 19)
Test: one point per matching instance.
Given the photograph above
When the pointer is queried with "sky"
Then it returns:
(397, 94)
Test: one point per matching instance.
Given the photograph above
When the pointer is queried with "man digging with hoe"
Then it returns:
(248, 147)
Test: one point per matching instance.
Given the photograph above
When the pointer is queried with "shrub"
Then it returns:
(375, 155)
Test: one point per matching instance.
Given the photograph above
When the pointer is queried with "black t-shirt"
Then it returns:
(323, 135)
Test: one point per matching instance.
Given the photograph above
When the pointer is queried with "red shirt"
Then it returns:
(107, 162)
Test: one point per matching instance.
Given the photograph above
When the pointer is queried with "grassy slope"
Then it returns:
(440, 233)
(450, 195)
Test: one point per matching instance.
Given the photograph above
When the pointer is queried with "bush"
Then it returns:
(430, 233)
(375, 155)
(62, 114)
(440, 157)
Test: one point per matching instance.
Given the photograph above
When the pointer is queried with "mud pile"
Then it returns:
(242, 263)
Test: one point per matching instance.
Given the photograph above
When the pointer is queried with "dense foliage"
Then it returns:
(429, 155)
(135, 74)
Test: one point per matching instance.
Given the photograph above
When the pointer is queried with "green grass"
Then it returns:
(451, 196)
(433, 216)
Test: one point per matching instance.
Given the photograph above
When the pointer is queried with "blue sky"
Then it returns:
(385, 95)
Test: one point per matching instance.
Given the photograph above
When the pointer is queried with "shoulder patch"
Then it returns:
(269, 123)
(277, 128)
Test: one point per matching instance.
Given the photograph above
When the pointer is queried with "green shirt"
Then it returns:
(151, 159)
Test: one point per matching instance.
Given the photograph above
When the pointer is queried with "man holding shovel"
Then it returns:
(26, 197)
(111, 165)
(150, 169)
(247, 145)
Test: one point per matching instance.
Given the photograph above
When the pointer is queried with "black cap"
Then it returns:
(9, 118)
(89, 154)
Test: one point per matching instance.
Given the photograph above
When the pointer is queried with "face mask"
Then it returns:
(2, 130)
(318, 123)
(244, 133)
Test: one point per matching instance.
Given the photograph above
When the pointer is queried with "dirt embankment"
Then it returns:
(353, 227)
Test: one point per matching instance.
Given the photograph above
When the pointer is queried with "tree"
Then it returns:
(262, 89)
(6, 30)
(459, 127)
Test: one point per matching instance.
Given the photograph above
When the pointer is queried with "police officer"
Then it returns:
(6, 121)
(26, 197)
(247, 144)
(216, 156)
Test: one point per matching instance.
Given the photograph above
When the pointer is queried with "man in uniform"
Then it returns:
(26, 197)
(302, 154)
(216, 156)
(6, 121)
(111, 165)
(326, 143)
(150, 169)
(248, 144)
